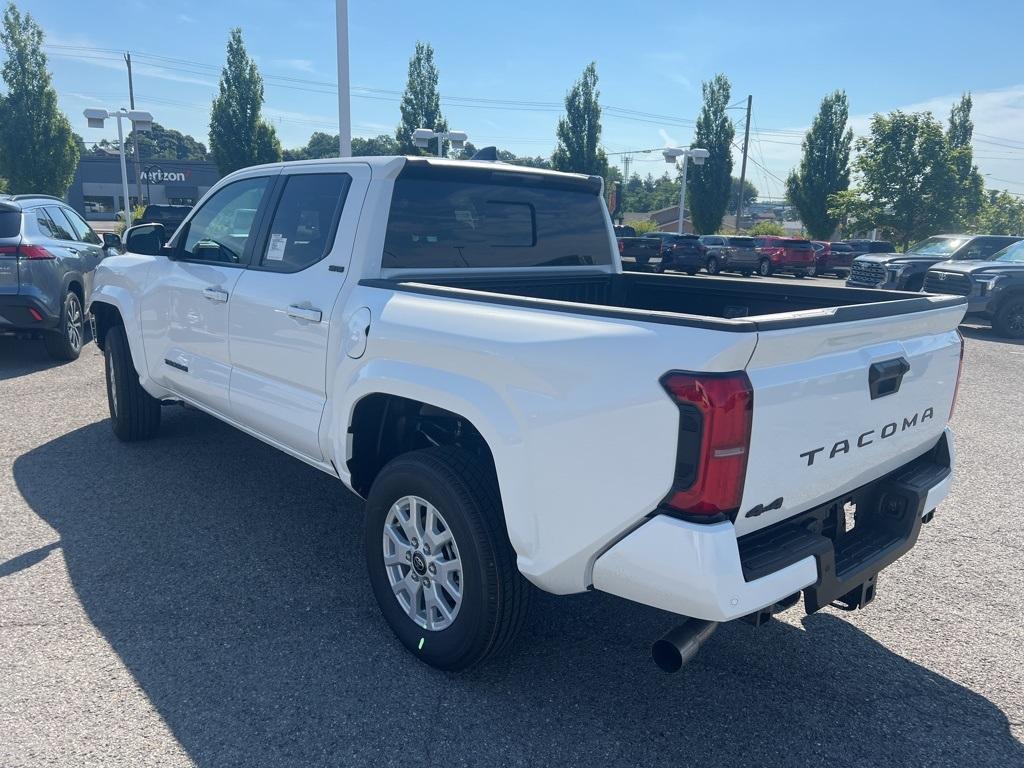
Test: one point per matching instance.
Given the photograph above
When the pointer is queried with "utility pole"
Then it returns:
(344, 101)
(743, 167)
(135, 141)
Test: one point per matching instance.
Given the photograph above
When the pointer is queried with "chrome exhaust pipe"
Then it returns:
(681, 644)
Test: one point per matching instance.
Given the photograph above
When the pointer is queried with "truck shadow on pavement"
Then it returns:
(230, 580)
(19, 357)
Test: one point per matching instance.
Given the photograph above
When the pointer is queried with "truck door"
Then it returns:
(188, 297)
(282, 305)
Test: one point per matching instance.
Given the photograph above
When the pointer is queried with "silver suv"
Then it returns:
(48, 255)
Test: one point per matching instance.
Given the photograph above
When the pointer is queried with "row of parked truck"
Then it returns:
(987, 269)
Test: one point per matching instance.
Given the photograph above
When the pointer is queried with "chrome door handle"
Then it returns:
(305, 313)
(215, 294)
(72, 250)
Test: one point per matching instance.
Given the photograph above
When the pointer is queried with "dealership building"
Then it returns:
(96, 190)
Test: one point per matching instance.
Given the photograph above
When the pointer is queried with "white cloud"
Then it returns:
(298, 65)
(184, 18)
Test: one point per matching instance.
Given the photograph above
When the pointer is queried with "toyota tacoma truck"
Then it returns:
(457, 343)
(994, 289)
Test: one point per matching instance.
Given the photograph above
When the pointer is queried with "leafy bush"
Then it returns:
(136, 215)
(767, 228)
(643, 227)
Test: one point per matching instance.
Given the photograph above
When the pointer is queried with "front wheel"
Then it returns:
(134, 413)
(764, 268)
(712, 266)
(439, 559)
(746, 272)
(1009, 320)
(65, 343)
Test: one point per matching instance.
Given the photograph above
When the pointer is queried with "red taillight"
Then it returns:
(34, 252)
(11, 249)
(622, 248)
(959, 372)
(35, 314)
(715, 414)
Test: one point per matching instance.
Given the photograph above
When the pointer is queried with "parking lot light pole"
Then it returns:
(422, 137)
(671, 155)
(141, 121)
(344, 100)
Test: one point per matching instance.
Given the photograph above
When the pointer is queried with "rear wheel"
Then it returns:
(439, 560)
(764, 268)
(712, 266)
(134, 413)
(65, 343)
(1009, 320)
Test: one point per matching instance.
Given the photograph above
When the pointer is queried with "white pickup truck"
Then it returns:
(458, 344)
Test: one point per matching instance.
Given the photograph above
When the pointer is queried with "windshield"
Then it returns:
(741, 242)
(938, 246)
(841, 248)
(1013, 252)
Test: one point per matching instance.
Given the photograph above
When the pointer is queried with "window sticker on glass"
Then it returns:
(275, 251)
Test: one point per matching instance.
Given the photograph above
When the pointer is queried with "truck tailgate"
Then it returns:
(819, 427)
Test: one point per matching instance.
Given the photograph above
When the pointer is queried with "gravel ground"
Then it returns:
(201, 599)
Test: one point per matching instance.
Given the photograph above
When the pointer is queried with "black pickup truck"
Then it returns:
(637, 253)
(994, 289)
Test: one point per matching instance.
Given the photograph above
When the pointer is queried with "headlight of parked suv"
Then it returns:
(987, 282)
(896, 270)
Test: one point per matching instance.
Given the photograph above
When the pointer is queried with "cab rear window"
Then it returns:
(444, 219)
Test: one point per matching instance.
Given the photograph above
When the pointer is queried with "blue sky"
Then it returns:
(651, 58)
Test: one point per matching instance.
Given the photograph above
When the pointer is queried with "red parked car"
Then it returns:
(784, 254)
(833, 258)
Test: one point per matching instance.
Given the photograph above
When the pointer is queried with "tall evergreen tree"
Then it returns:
(38, 151)
(421, 102)
(970, 186)
(824, 168)
(708, 185)
(239, 137)
(579, 132)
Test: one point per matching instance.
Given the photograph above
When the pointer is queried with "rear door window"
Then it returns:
(45, 224)
(303, 227)
(61, 226)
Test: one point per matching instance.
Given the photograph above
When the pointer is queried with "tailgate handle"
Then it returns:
(885, 378)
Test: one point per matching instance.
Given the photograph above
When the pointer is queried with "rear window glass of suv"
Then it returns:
(741, 242)
(796, 245)
(10, 223)
(448, 219)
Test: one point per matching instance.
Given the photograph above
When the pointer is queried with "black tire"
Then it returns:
(746, 272)
(134, 413)
(799, 275)
(1009, 318)
(65, 343)
(691, 272)
(712, 266)
(495, 596)
(915, 283)
(764, 268)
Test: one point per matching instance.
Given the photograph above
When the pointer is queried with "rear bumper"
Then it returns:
(18, 313)
(704, 571)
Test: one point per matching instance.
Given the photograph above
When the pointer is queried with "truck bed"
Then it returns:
(738, 305)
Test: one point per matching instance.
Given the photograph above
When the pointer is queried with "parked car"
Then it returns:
(682, 253)
(870, 246)
(743, 255)
(716, 253)
(994, 288)
(784, 254)
(832, 258)
(479, 397)
(170, 216)
(640, 253)
(48, 256)
(624, 230)
(906, 271)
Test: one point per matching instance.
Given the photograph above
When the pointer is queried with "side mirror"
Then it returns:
(112, 242)
(145, 239)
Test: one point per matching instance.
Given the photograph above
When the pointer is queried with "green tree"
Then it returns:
(239, 137)
(708, 185)
(38, 152)
(824, 168)
(579, 132)
(970, 187)
(749, 193)
(908, 184)
(1001, 214)
(375, 146)
(421, 102)
(767, 228)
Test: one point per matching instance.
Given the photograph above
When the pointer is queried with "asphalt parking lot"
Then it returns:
(200, 599)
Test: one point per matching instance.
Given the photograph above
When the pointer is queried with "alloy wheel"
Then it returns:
(422, 562)
(75, 323)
